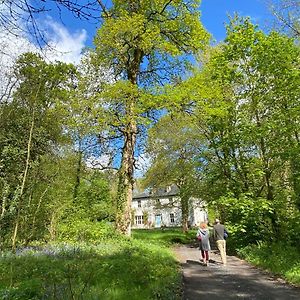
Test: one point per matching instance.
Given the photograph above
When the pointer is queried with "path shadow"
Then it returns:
(219, 283)
(211, 262)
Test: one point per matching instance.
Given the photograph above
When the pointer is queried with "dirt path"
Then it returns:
(238, 280)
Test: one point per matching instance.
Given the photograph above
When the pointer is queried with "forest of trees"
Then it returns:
(221, 122)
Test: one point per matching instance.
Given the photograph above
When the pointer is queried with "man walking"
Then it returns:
(219, 230)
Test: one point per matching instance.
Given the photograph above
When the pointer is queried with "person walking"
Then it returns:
(219, 233)
(204, 245)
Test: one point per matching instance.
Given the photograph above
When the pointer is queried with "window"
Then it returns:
(139, 203)
(172, 218)
(139, 220)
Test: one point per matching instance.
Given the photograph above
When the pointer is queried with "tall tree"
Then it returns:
(252, 146)
(143, 43)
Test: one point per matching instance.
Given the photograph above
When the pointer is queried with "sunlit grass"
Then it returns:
(165, 236)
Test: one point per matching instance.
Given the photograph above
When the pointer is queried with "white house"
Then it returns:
(162, 208)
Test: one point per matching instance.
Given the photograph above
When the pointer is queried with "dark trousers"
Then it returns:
(204, 254)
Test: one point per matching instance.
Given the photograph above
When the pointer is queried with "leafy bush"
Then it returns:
(247, 218)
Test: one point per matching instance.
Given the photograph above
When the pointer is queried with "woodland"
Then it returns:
(220, 121)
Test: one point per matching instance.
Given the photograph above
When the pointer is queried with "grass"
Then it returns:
(167, 236)
(281, 259)
(139, 268)
(122, 269)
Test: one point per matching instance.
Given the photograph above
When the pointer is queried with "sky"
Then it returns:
(70, 35)
(214, 16)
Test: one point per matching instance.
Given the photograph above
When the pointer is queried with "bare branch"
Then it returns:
(103, 7)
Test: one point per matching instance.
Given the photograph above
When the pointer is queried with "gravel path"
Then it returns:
(238, 280)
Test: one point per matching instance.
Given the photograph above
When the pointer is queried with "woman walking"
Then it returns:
(203, 237)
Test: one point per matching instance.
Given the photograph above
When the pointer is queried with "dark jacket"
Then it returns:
(219, 230)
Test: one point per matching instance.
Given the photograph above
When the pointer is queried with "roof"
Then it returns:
(157, 193)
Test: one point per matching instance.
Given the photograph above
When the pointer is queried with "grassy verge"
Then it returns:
(122, 269)
(281, 259)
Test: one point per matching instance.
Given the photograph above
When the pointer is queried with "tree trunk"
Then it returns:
(185, 213)
(33, 223)
(78, 174)
(52, 226)
(125, 185)
(4, 198)
(14, 237)
(295, 170)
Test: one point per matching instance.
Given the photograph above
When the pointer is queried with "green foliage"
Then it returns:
(239, 137)
(154, 29)
(94, 200)
(84, 218)
(280, 258)
(78, 230)
(250, 170)
(109, 270)
(172, 145)
(247, 218)
(30, 132)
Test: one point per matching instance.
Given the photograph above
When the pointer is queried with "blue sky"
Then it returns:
(69, 35)
(214, 16)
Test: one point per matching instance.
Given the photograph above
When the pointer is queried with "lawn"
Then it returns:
(167, 236)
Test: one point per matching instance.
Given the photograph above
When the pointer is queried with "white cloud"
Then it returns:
(12, 44)
(63, 44)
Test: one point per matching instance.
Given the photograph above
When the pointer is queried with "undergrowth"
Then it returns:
(123, 269)
(281, 259)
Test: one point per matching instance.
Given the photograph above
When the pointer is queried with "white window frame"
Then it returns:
(139, 220)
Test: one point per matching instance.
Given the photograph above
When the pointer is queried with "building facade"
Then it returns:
(161, 208)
